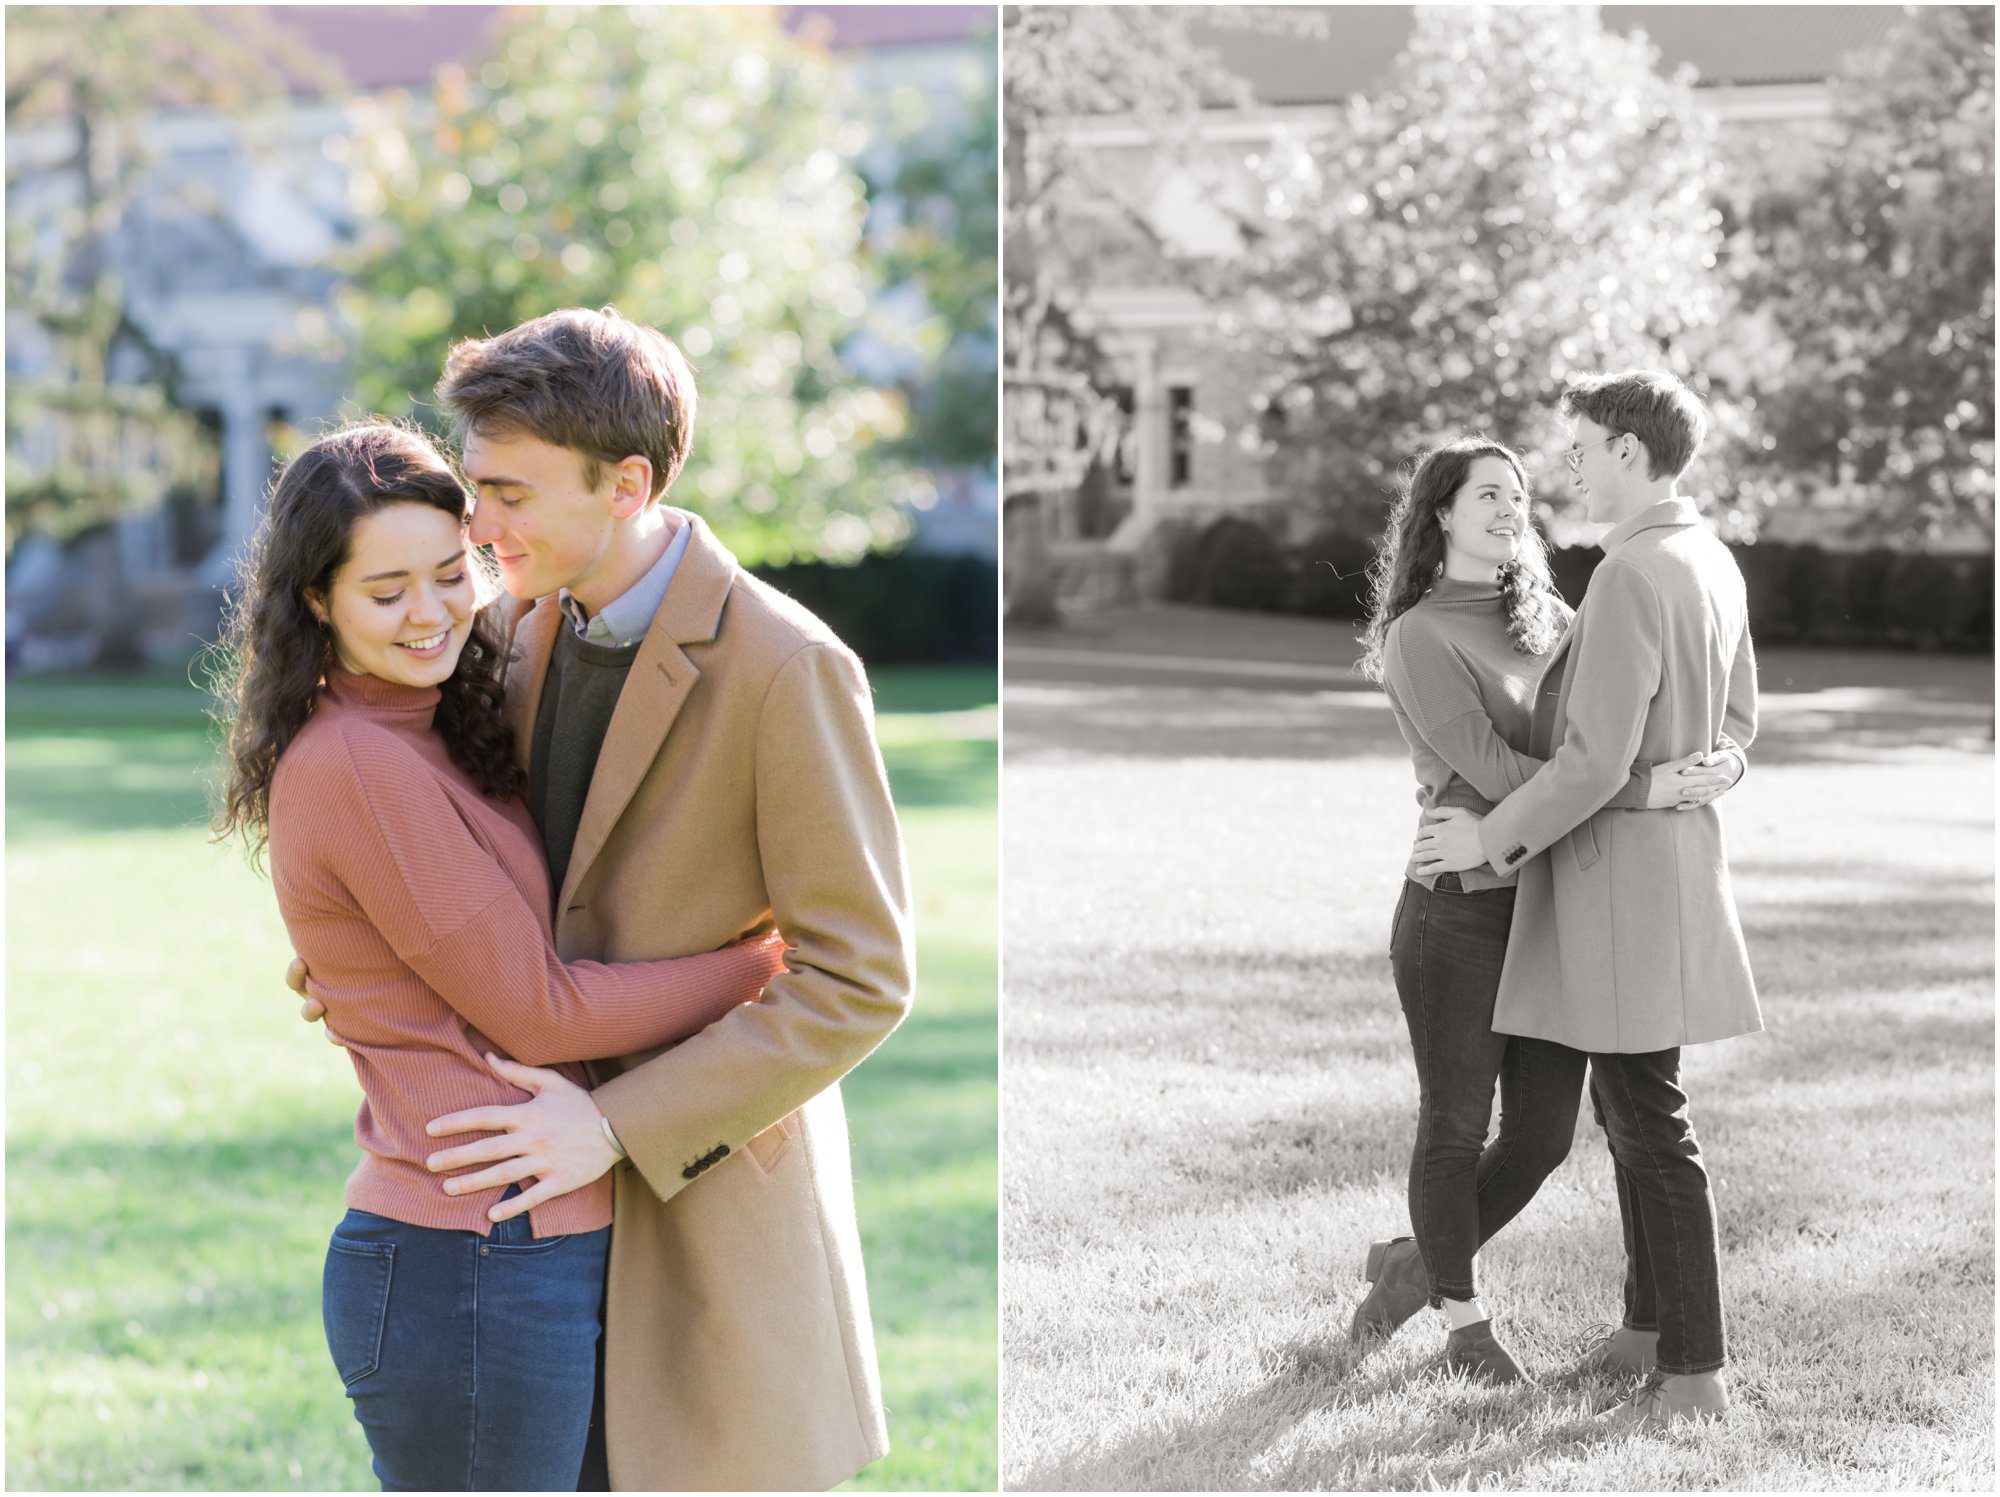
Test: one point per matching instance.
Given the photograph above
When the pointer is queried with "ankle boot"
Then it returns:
(1669, 1398)
(1398, 1288)
(1619, 1352)
(1476, 1350)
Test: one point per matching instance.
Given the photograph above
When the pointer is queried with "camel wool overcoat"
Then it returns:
(739, 785)
(1625, 937)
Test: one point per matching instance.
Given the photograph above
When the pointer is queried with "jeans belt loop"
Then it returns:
(1450, 883)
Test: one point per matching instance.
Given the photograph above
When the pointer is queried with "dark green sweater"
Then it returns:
(578, 699)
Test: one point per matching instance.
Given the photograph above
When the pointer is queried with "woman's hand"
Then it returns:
(1688, 783)
(312, 1010)
(558, 1139)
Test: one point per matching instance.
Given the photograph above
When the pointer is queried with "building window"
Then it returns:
(1180, 412)
(1124, 459)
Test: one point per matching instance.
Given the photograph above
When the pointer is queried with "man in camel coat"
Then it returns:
(1626, 943)
(702, 764)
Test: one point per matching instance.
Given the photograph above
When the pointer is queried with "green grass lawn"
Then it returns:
(177, 1140)
(1209, 1098)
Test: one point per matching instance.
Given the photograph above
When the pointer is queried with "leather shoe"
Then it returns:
(1668, 1398)
(1476, 1350)
(1398, 1288)
(1619, 1351)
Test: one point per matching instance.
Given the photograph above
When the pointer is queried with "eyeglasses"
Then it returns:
(1574, 456)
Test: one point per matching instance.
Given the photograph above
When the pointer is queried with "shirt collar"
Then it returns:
(1674, 511)
(623, 621)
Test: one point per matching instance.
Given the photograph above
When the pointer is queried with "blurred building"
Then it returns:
(1188, 447)
(227, 249)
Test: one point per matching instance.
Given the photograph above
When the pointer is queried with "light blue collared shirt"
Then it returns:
(623, 621)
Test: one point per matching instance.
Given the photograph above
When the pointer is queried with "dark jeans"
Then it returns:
(1446, 952)
(1672, 1256)
(470, 1360)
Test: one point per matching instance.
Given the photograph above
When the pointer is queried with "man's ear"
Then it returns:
(632, 486)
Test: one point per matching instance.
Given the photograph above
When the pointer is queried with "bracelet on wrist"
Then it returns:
(612, 1138)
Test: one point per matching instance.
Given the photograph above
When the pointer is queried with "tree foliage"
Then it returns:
(945, 244)
(692, 166)
(1878, 270)
(86, 442)
(1526, 197)
(1065, 64)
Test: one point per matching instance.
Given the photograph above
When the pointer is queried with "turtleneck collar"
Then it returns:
(1451, 590)
(381, 698)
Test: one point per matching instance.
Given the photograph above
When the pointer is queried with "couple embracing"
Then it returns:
(1567, 911)
(602, 890)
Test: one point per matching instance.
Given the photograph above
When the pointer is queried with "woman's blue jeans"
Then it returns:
(471, 1360)
(1446, 951)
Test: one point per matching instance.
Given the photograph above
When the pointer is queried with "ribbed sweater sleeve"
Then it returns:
(1438, 692)
(1615, 661)
(388, 833)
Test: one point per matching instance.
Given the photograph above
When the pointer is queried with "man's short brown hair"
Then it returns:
(1651, 404)
(593, 382)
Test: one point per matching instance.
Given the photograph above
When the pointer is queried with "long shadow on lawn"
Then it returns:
(171, 1205)
(1046, 719)
(60, 783)
(1936, 932)
(1303, 1378)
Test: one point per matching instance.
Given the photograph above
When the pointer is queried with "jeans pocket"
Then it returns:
(1396, 920)
(496, 1246)
(354, 1302)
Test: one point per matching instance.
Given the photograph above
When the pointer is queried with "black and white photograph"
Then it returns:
(1498, 748)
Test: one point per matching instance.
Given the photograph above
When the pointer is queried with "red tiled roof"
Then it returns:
(401, 46)
(890, 25)
(1727, 44)
(388, 46)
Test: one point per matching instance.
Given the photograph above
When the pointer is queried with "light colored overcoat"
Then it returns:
(739, 783)
(1625, 936)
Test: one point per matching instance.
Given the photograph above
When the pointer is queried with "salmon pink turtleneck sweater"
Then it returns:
(422, 909)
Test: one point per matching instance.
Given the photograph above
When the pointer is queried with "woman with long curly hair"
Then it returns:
(1464, 616)
(367, 754)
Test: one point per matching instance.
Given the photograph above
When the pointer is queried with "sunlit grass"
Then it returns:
(1209, 1103)
(177, 1140)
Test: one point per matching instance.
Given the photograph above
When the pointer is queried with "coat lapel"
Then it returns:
(1545, 730)
(654, 692)
(533, 643)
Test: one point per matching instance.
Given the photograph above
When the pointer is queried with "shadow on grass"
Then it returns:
(66, 781)
(1157, 721)
(1901, 927)
(944, 772)
(1845, 710)
(73, 777)
(1303, 1377)
(172, 1209)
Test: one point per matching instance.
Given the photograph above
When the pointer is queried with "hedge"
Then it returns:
(1799, 593)
(907, 608)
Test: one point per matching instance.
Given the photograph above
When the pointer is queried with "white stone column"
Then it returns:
(1150, 437)
(246, 464)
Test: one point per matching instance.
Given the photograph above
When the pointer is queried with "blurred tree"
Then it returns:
(1879, 270)
(945, 245)
(1526, 198)
(1065, 64)
(86, 440)
(691, 166)
(1072, 217)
